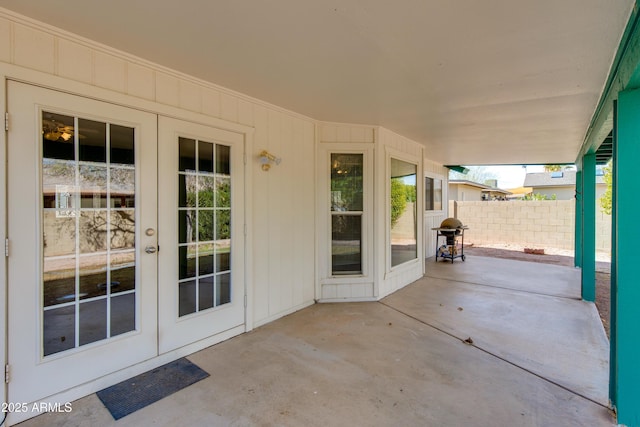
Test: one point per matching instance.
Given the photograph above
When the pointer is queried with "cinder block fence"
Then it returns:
(535, 224)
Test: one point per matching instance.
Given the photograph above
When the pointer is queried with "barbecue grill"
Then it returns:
(451, 229)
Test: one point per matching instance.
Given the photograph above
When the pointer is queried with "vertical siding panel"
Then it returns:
(109, 72)
(211, 102)
(309, 235)
(289, 183)
(141, 82)
(245, 112)
(344, 134)
(167, 89)
(276, 230)
(304, 202)
(229, 107)
(74, 61)
(300, 189)
(5, 40)
(358, 134)
(261, 219)
(328, 133)
(190, 98)
(33, 49)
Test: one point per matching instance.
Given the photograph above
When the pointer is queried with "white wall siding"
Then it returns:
(109, 72)
(80, 69)
(283, 215)
(433, 168)
(33, 49)
(338, 132)
(141, 82)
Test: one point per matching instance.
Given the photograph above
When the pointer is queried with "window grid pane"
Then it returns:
(88, 217)
(204, 225)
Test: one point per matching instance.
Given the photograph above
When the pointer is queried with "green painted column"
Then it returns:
(577, 242)
(613, 312)
(627, 267)
(588, 252)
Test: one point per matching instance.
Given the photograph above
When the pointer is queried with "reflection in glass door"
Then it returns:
(89, 230)
(204, 229)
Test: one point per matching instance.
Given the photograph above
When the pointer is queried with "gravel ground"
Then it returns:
(557, 257)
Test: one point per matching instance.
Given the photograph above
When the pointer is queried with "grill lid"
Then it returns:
(452, 223)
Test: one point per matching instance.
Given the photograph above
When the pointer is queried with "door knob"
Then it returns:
(151, 249)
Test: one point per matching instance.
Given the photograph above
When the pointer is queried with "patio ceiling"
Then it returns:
(478, 82)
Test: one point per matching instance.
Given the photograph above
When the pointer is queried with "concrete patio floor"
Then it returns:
(539, 357)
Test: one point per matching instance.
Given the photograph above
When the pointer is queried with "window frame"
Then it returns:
(432, 202)
(417, 209)
(324, 229)
(335, 213)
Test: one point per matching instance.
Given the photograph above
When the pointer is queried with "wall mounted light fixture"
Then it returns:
(266, 159)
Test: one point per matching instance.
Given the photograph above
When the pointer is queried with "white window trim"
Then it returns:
(405, 157)
(445, 193)
(324, 205)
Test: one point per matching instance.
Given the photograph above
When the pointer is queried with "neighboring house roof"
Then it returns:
(554, 179)
(465, 182)
(482, 187)
(496, 190)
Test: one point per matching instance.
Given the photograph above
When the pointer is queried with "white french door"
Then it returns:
(82, 298)
(201, 219)
(126, 239)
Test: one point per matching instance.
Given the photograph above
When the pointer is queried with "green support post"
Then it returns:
(577, 254)
(613, 298)
(588, 251)
(627, 301)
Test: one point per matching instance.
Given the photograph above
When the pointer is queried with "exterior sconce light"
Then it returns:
(266, 159)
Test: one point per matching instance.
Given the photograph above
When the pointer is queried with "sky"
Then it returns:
(512, 176)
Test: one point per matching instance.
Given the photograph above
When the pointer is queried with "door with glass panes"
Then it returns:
(88, 212)
(201, 216)
(82, 298)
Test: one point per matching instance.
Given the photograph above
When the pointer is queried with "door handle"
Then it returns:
(151, 249)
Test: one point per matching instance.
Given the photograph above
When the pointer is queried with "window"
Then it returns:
(404, 215)
(89, 248)
(204, 233)
(433, 194)
(346, 213)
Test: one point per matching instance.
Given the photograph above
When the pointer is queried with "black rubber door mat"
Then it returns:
(135, 393)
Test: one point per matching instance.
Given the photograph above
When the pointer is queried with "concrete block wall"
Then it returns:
(536, 224)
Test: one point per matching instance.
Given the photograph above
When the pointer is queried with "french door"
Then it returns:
(125, 242)
(201, 217)
(82, 290)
